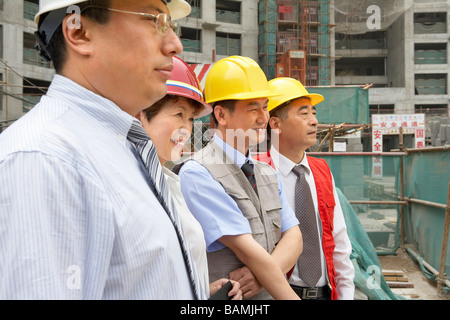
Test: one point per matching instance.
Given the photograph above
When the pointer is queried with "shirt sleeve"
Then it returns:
(46, 234)
(287, 214)
(213, 208)
(343, 266)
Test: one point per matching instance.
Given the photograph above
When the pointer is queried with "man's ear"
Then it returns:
(221, 115)
(77, 34)
(139, 115)
(275, 124)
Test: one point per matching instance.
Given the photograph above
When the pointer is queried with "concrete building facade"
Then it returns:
(24, 75)
(210, 33)
(407, 60)
(408, 63)
(400, 47)
(215, 30)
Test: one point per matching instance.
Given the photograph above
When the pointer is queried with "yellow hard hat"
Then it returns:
(236, 78)
(290, 89)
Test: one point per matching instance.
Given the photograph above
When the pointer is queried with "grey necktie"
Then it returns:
(309, 264)
(147, 152)
(247, 168)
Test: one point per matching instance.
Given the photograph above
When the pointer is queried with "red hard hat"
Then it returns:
(185, 83)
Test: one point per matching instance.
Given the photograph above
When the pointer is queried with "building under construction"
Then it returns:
(296, 40)
(399, 48)
(369, 58)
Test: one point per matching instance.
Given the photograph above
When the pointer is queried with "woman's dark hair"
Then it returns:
(57, 45)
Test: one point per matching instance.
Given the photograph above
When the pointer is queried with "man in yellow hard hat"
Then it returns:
(80, 216)
(324, 270)
(249, 228)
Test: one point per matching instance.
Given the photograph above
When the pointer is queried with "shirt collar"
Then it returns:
(285, 165)
(234, 154)
(106, 112)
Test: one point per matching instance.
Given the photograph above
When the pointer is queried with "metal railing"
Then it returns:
(406, 201)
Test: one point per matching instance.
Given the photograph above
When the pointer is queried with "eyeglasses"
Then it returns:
(162, 20)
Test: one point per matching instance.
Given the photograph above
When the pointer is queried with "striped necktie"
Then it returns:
(309, 264)
(147, 152)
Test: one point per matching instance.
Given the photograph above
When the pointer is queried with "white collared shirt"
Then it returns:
(191, 227)
(343, 266)
(78, 219)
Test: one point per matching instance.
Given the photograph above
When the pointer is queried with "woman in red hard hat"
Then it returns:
(169, 121)
(169, 124)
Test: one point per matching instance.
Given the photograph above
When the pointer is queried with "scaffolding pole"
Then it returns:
(267, 21)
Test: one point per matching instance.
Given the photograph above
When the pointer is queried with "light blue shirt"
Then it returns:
(78, 219)
(216, 211)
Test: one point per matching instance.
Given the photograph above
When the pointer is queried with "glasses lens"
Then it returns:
(164, 23)
(176, 28)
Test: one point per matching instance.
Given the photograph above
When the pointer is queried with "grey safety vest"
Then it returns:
(263, 212)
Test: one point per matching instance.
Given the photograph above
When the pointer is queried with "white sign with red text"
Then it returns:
(390, 124)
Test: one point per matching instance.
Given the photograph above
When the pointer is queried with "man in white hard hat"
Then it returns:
(79, 214)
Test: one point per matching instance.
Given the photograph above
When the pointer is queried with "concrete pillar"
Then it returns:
(13, 56)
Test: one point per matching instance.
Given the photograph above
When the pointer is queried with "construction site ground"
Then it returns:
(416, 285)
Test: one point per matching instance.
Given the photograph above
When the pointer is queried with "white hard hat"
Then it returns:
(56, 10)
(51, 5)
(178, 8)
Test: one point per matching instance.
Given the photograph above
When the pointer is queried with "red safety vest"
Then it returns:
(325, 197)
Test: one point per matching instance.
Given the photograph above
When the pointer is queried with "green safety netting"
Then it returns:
(342, 105)
(353, 176)
(375, 228)
(267, 36)
(368, 276)
(362, 16)
(427, 178)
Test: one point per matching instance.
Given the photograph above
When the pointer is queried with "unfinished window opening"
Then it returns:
(430, 22)
(228, 11)
(430, 53)
(228, 44)
(430, 84)
(369, 40)
(360, 67)
(191, 39)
